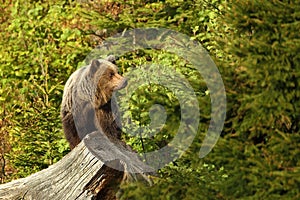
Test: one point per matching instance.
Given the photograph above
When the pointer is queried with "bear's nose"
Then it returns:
(125, 82)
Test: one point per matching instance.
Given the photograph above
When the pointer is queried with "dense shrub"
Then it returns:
(261, 147)
(41, 43)
(254, 43)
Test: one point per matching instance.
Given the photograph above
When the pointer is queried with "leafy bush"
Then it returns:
(261, 67)
(48, 40)
(149, 94)
(254, 43)
(41, 46)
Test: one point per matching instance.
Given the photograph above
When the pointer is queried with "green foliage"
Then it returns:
(261, 150)
(169, 66)
(179, 181)
(196, 18)
(254, 43)
(41, 45)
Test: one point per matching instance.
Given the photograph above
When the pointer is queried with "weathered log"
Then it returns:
(81, 174)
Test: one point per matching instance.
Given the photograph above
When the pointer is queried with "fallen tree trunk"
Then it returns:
(79, 175)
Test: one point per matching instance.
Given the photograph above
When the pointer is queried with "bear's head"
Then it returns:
(106, 78)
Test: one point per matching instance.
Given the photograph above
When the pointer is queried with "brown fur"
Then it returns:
(87, 100)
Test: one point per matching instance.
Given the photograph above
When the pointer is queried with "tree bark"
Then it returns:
(81, 174)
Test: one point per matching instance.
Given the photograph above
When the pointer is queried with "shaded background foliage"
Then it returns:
(255, 45)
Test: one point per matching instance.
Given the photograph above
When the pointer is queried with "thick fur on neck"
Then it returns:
(108, 121)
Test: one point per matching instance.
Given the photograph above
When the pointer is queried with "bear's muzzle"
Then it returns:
(123, 83)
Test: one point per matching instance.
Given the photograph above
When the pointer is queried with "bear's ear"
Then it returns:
(94, 66)
(111, 58)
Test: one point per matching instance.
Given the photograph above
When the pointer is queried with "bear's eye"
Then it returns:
(111, 74)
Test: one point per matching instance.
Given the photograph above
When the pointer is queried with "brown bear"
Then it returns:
(87, 101)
